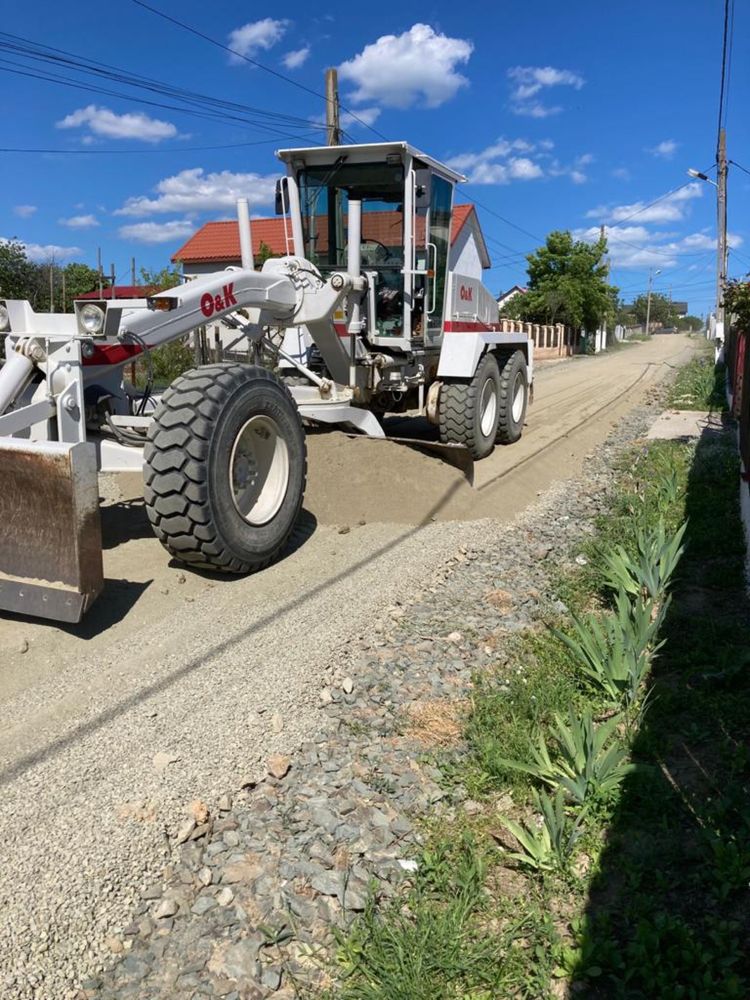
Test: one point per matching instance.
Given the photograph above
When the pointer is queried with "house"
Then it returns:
(681, 308)
(118, 292)
(216, 245)
(504, 297)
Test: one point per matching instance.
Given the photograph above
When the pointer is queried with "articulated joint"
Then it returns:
(32, 349)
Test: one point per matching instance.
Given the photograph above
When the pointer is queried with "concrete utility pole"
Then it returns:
(132, 270)
(52, 286)
(333, 127)
(648, 298)
(721, 231)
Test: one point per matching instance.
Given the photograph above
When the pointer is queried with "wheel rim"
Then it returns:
(519, 397)
(259, 470)
(488, 409)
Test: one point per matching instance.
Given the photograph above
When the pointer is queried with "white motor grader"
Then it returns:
(362, 317)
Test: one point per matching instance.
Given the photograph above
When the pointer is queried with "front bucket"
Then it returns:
(50, 530)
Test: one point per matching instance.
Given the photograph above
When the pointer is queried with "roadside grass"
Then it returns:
(642, 891)
(699, 385)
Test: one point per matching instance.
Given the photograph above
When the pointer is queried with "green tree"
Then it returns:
(691, 323)
(568, 283)
(662, 309)
(17, 273)
(264, 252)
(159, 281)
(79, 279)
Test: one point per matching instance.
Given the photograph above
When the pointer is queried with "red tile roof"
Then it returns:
(121, 292)
(220, 241)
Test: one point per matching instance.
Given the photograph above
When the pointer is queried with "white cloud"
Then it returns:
(254, 36)
(672, 208)
(621, 174)
(365, 116)
(194, 190)
(572, 170)
(24, 211)
(79, 221)
(401, 70)
(638, 247)
(295, 59)
(44, 252)
(530, 81)
(498, 164)
(665, 149)
(132, 125)
(157, 232)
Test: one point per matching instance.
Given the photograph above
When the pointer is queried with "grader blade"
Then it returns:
(50, 531)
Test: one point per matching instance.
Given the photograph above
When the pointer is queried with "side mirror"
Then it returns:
(282, 198)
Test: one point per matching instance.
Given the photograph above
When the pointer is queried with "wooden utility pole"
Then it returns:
(132, 270)
(333, 127)
(721, 231)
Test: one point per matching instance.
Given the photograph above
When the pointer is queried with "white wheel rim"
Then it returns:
(259, 470)
(519, 397)
(488, 409)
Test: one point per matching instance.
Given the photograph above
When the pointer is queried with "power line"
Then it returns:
(253, 62)
(492, 212)
(724, 82)
(167, 149)
(736, 164)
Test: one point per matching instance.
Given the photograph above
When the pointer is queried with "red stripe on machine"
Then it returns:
(112, 354)
(469, 326)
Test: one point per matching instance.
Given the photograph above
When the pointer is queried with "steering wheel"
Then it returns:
(374, 252)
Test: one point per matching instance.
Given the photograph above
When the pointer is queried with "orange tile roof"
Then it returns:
(220, 241)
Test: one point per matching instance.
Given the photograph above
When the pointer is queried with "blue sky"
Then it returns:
(562, 115)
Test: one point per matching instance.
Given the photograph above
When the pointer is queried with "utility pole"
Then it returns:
(333, 127)
(132, 270)
(648, 298)
(721, 231)
(64, 307)
(99, 269)
(52, 285)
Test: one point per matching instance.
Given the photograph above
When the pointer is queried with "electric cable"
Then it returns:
(254, 62)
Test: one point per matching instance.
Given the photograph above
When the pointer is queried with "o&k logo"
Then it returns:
(215, 303)
(466, 294)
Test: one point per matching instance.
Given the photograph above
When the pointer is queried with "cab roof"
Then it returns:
(363, 152)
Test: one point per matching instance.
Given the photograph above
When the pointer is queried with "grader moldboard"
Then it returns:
(364, 316)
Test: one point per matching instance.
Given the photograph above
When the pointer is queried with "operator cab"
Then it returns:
(406, 202)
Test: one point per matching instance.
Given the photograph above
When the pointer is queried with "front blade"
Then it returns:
(50, 530)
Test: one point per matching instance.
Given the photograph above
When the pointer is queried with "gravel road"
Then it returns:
(178, 689)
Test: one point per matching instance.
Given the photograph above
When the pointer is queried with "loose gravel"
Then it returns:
(259, 877)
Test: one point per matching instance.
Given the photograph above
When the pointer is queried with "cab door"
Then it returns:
(438, 241)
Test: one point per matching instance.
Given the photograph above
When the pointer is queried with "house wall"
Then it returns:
(464, 255)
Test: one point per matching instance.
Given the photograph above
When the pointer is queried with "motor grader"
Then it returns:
(362, 317)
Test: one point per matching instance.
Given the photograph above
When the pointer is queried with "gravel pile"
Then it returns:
(260, 879)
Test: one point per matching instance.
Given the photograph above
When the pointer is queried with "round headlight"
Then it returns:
(4, 319)
(92, 318)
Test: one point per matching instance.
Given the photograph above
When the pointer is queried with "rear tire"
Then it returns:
(514, 398)
(468, 411)
(225, 467)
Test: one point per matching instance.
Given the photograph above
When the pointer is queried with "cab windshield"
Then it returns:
(324, 199)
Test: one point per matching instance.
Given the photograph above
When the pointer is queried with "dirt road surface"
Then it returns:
(177, 686)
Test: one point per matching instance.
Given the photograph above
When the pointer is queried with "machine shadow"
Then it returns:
(112, 605)
(669, 909)
(85, 729)
(124, 521)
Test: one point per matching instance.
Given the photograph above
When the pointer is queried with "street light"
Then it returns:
(651, 274)
(692, 172)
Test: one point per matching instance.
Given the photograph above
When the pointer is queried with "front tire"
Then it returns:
(468, 411)
(225, 467)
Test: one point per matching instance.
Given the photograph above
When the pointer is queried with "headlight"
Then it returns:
(91, 318)
(4, 319)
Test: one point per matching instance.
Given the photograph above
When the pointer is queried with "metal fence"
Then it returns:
(737, 356)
